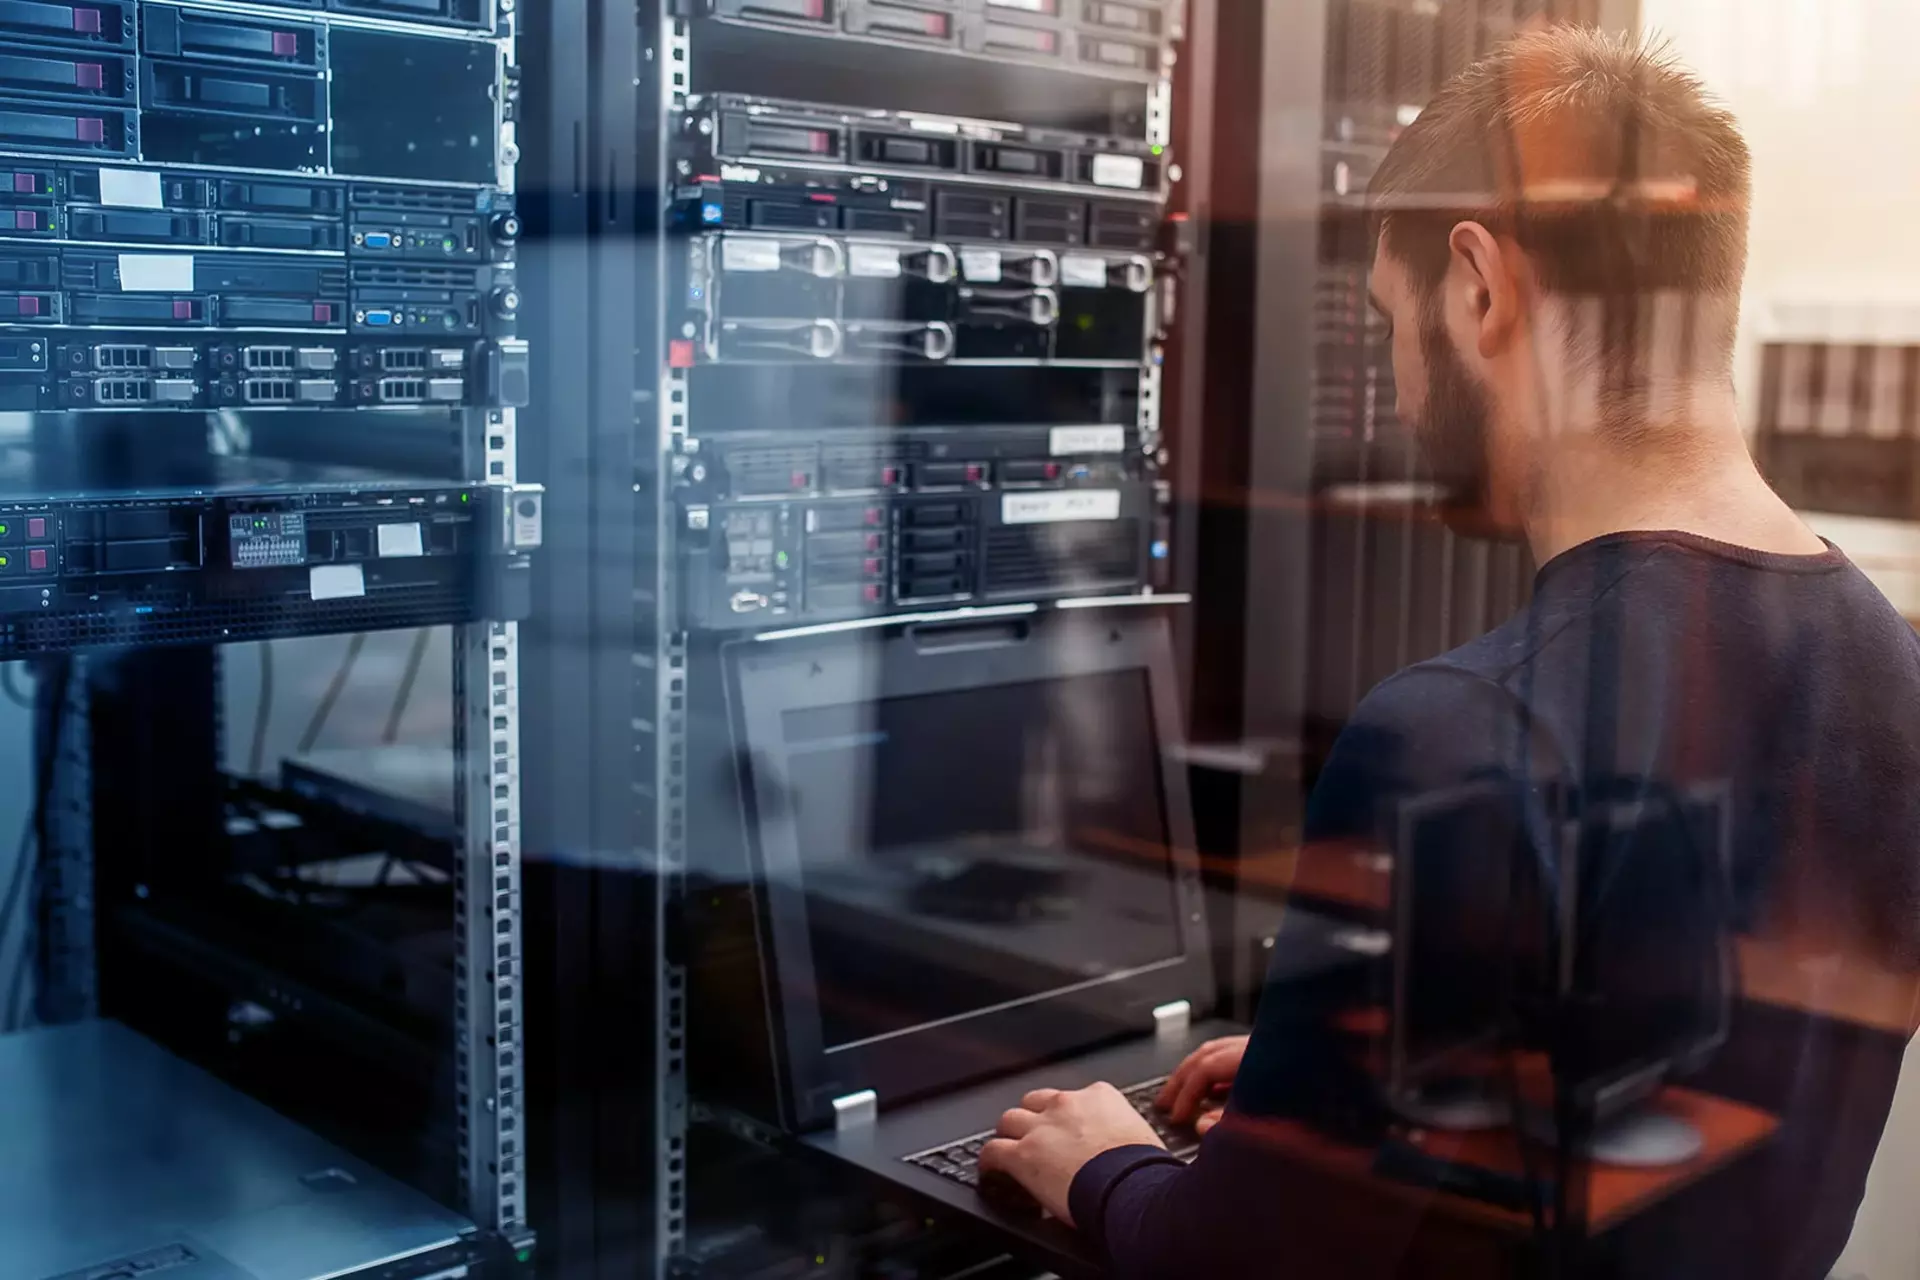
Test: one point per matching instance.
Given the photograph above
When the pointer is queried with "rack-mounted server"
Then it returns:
(1106, 38)
(851, 524)
(824, 298)
(247, 549)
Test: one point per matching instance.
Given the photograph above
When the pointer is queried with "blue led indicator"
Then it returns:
(145, 608)
(712, 214)
(1159, 550)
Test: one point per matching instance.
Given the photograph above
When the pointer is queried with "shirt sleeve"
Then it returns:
(1148, 1216)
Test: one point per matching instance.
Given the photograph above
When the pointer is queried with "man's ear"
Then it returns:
(1483, 270)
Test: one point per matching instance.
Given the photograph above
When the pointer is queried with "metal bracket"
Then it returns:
(520, 516)
(1171, 1020)
(856, 1110)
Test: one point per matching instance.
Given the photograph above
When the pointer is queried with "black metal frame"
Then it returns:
(774, 678)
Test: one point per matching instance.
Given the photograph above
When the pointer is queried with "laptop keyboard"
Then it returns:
(960, 1159)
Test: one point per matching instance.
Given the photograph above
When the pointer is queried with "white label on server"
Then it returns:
(336, 581)
(873, 261)
(1031, 6)
(737, 254)
(130, 189)
(1081, 272)
(1119, 171)
(156, 272)
(1071, 440)
(981, 266)
(1056, 508)
(400, 539)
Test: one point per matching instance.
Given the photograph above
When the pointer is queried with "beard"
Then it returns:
(1451, 432)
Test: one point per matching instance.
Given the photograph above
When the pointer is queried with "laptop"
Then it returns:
(976, 876)
(122, 1161)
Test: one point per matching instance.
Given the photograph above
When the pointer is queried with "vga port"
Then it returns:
(267, 390)
(258, 359)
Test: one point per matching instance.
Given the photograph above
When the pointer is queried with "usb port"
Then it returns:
(316, 391)
(316, 359)
(174, 390)
(446, 389)
(173, 357)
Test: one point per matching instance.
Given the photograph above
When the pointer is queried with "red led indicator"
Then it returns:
(86, 20)
(873, 542)
(37, 558)
(798, 480)
(286, 44)
(680, 354)
(936, 24)
(323, 313)
(183, 309)
(975, 474)
(36, 526)
(26, 220)
(889, 475)
(29, 306)
(89, 129)
(870, 567)
(1052, 471)
(816, 9)
(89, 75)
(24, 183)
(871, 593)
(873, 515)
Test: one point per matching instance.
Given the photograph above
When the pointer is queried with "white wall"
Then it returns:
(1828, 96)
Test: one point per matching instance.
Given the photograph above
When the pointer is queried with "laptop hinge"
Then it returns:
(855, 1109)
(1172, 1019)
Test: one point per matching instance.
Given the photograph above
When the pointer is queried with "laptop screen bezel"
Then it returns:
(768, 680)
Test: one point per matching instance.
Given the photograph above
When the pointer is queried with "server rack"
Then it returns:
(754, 214)
(247, 245)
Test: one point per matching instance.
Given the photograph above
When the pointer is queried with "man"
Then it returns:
(1561, 238)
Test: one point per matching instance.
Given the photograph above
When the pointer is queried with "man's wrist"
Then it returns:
(1095, 1181)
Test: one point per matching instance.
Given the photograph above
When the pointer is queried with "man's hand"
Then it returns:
(1190, 1089)
(1044, 1141)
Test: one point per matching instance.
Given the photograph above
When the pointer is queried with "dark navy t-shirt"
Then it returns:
(1788, 683)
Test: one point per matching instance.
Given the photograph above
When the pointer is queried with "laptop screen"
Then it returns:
(971, 850)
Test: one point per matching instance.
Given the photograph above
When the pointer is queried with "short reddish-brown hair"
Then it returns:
(1602, 157)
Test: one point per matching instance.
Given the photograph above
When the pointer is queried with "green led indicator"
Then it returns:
(1157, 148)
(3, 528)
(525, 1255)
(779, 558)
(463, 497)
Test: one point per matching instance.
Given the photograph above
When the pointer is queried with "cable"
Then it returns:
(335, 687)
(414, 657)
(262, 711)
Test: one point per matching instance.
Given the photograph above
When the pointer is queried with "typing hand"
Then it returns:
(1044, 1141)
(1191, 1086)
